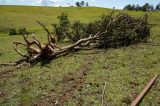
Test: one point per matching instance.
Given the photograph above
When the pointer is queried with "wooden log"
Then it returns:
(140, 97)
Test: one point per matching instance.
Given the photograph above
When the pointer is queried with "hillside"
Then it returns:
(19, 16)
(77, 78)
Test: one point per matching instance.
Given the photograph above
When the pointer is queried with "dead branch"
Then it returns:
(2, 68)
(7, 64)
(144, 91)
(103, 104)
(15, 44)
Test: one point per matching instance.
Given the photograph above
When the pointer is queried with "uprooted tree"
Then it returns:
(111, 31)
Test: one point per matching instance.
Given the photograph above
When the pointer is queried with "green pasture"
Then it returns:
(125, 70)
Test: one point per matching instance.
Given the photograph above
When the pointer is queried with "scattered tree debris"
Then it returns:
(144, 92)
(36, 50)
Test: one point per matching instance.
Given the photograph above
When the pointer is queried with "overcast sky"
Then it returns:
(99, 3)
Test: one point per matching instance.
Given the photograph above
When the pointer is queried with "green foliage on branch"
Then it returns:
(122, 30)
(77, 31)
(61, 29)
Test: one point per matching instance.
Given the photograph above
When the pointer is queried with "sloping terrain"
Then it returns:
(77, 78)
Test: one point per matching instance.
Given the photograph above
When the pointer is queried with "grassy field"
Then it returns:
(19, 16)
(77, 79)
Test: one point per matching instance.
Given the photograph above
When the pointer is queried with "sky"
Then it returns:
(119, 4)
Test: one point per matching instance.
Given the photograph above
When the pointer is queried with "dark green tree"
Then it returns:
(128, 7)
(87, 4)
(77, 4)
(22, 30)
(12, 31)
(138, 7)
(82, 3)
(145, 7)
(151, 7)
(133, 7)
(158, 7)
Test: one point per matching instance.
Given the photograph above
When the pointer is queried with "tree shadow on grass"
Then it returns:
(1, 53)
(44, 62)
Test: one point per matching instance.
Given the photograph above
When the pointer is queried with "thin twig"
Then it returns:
(2, 68)
(7, 64)
(103, 104)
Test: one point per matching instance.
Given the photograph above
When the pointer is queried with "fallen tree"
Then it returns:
(113, 29)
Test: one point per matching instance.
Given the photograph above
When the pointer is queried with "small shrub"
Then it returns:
(1, 53)
(22, 30)
(12, 31)
(61, 29)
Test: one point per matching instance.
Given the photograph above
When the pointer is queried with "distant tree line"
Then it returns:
(81, 3)
(145, 7)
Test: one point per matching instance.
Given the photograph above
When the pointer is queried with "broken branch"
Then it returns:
(139, 98)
